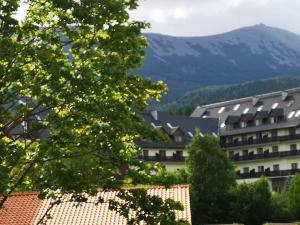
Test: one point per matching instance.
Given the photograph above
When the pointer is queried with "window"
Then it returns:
(260, 108)
(294, 166)
(259, 151)
(250, 140)
(274, 149)
(291, 114)
(297, 113)
(162, 153)
(231, 154)
(259, 136)
(221, 110)
(244, 137)
(260, 169)
(178, 138)
(146, 153)
(236, 141)
(293, 147)
(236, 107)
(265, 137)
(274, 106)
(276, 167)
(292, 131)
(246, 170)
(245, 152)
(258, 122)
(246, 110)
(178, 154)
(273, 119)
(274, 133)
(243, 124)
(222, 125)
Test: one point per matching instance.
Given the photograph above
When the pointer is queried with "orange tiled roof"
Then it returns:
(22, 210)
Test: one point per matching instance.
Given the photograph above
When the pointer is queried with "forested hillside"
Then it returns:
(211, 94)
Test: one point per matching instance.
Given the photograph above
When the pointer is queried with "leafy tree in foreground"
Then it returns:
(252, 204)
(294, 197)
(64, 78)
(280, 211)
(211, 178)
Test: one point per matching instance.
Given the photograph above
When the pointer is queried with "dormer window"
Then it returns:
(273, 119)
(276, 115)
(243, 124)
(178, 138)
(231, 122)
(246, 120)
(258, 122)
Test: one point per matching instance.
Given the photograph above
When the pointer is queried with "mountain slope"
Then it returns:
(245, 54)
(212, 94)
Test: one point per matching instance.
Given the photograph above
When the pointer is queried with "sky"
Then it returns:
(208, 17)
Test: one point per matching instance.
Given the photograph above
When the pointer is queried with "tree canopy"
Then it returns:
(67, 99)
(211, 178)
(294, 197)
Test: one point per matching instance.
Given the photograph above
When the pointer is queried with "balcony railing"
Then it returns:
(163, 158)
(262, 140)
(265, 155)
(266, 173)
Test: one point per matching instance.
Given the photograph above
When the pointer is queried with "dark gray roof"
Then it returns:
(283, 103)
(265, 127)
(171, 124)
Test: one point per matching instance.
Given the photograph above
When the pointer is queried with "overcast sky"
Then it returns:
(206, 17)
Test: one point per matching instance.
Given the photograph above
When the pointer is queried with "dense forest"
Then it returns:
(211, 94)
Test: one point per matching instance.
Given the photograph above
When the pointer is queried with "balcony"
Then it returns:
(163, 158)
(266, 155)
(267, 173)
(261, 141)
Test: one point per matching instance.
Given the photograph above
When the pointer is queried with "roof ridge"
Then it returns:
(159, 187)
(249, 98)
(126, 188)
(24, 193)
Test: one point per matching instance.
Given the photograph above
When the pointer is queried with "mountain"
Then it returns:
(250, 53)
(212, 94)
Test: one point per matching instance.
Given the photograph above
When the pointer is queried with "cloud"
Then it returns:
(206, 17)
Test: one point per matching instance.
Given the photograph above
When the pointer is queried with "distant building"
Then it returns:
(27, 208)
(180, 129)
(261, 134)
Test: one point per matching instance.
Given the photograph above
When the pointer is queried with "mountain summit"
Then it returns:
(245, 54)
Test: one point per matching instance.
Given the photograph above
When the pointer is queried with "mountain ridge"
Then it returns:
(245, 54)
